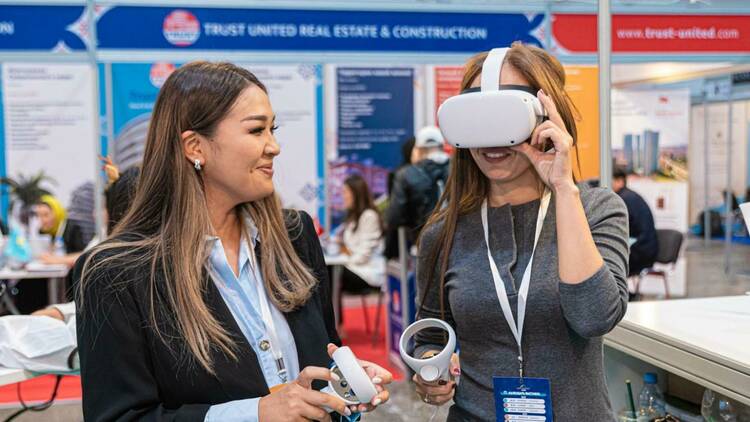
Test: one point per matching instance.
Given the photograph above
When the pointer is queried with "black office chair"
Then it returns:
(670, 243)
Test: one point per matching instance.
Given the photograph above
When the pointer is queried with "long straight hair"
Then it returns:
(170, 220)
(362, 200)
(467, 186)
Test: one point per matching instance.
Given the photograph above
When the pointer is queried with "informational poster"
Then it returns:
(50, 124)
(373, 114)
(295, 93)
(650, 132)
(713, 153)
(134, 90)
(582, 85)
(442, 82)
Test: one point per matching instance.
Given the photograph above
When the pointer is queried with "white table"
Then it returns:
(337, 262)
(12, 376)
(55, 274)
(706, 341)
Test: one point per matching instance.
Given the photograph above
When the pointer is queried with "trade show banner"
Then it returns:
(50, 124)
(203, 28)
(582, 86)
(576, 33)
(374, 114)
(43, 28)
(295, 93)
(650, 132)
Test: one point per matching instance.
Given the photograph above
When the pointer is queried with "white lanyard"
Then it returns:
(502, 294)
(266, 316)
(265, 312)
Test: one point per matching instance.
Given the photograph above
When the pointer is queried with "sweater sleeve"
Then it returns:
(428, 295)
(595, 306)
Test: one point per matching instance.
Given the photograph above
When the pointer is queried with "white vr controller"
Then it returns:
(491, 116)
(435, 367)
(353, 386)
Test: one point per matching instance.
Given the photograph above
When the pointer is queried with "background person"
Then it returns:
(391, 233)
(641, 223)
(362, 240)
(118, 196)
(577, 289)
(417, 187)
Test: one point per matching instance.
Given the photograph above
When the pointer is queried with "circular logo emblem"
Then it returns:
(159, 73)
(181, 28)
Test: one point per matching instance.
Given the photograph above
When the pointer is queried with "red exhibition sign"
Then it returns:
(576, 33)
(447, 83)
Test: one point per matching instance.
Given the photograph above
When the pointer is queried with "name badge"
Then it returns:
(522, 400)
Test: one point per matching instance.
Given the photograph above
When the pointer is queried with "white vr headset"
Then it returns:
(493, 116)
(435, 367)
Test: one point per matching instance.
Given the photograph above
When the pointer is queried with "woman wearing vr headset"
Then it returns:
(474, 255)
(209, 302)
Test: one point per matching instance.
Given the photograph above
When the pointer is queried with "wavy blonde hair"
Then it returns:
(170, 219)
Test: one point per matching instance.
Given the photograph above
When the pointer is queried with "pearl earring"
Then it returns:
(197, 164)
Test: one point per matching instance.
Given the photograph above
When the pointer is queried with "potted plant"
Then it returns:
(25, 192)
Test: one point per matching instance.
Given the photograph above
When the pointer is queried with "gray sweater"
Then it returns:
(562, 335)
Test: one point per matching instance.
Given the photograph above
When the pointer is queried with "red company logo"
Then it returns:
(181, 28)
(159, 73)
(663, 99)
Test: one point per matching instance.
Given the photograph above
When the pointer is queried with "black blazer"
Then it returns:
(129, 374)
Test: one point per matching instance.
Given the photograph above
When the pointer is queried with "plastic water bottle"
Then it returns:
(717, 408)
(651, 401)
(59, 246)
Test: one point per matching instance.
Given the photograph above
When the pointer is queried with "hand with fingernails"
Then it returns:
(379, 377)
(298, 401)
(438, 392)
(554, 167)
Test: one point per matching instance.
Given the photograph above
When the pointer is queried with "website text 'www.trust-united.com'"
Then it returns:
(671, 33)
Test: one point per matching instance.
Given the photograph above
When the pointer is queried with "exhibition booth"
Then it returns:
(350, 82)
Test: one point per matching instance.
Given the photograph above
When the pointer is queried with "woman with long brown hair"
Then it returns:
(361, 240)
(208, 302)
(501, 208)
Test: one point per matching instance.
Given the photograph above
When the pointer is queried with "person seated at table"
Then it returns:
(66, 245)
(641, 222)
(118, 198)
(362, 240)
(67, 235)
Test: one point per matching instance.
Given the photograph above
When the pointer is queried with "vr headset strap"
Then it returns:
(491, 69)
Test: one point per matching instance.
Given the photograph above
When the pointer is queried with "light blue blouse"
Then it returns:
(241, 296)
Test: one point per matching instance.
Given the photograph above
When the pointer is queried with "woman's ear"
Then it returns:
(192, 147)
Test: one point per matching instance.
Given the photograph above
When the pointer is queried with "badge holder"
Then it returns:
(522, 399)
